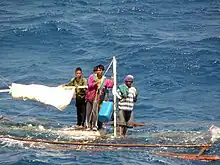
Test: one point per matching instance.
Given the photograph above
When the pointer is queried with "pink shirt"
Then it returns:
(92, 87)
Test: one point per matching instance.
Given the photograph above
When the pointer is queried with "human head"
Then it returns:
(100, 69)
(129, 80)
(95, 69)
(78, 72)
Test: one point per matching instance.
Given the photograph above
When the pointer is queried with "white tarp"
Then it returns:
(59, 97)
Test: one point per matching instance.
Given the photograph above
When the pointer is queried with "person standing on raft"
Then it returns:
(127, 95)
(79, 80)
(97, 86)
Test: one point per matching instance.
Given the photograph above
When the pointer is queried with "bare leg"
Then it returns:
(127, 117)
(125, 130)
(120, 131)
(121, 122)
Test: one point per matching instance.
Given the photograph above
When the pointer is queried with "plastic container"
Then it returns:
(105, 112)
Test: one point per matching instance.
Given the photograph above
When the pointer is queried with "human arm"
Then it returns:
(109, 83)
(136, 95)
(84, 82)
(70, 83)
(117, 93)
(91, 82)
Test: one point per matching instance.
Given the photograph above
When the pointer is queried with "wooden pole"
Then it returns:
(115, 99)
(4, 90)
(204, 148)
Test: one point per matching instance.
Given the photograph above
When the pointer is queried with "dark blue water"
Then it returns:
(170, 46)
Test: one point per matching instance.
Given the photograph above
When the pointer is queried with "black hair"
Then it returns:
(78, 69)
(101, 67)
(95, 68)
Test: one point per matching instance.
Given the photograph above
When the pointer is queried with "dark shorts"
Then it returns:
(124, 117)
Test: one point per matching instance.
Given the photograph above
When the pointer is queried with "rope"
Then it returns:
(3, 80)
(108, 144)
(22, 113)
(108, 68)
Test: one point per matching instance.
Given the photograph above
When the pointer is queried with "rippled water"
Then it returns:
(171, 47)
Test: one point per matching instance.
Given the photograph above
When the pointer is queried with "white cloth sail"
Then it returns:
(59, 97)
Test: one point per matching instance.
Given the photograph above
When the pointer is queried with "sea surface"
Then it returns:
(171, 47)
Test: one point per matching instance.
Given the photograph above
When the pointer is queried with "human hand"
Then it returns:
(112, 77)
(114, 91)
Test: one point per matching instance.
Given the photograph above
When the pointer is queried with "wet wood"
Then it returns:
(108, 144)
(189, 156)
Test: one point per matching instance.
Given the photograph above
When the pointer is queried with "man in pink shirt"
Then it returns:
(97, 87)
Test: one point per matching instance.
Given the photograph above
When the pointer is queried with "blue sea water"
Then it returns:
(172, 47)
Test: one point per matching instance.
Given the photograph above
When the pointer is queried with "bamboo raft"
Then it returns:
(113, 147)
(94, 146)
(107, 144)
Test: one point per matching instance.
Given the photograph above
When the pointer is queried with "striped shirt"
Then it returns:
(127, 103)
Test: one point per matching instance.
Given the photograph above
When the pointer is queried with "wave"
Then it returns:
(52, 33)
(210, 40)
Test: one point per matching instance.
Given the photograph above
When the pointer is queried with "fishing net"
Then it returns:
(58, 97)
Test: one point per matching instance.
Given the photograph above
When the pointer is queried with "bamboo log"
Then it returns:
(134, 124)
(4, 90)
(109, 144)
(188, 156)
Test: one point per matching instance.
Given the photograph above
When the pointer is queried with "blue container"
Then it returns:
(105, 112)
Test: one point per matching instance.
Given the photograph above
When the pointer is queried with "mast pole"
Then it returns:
(4, 90)
(115, 99)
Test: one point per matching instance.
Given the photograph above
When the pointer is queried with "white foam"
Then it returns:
(215, 133)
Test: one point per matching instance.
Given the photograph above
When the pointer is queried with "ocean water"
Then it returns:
(172, 47)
